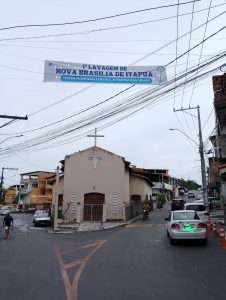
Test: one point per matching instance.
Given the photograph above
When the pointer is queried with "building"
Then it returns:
(98, 185)
(36, 190)
(162, 181)
(10, 194)
(218, 140)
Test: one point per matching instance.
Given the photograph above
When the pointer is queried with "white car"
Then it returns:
(185, 225)
(39, 211)
(5, 210)
(42, 218)
(200, 208)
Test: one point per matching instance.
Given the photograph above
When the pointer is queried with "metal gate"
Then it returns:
(93, 212)
(93, 206)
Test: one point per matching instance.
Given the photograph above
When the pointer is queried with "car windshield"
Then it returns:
(185, 215)
(42, 214)
(196, 207)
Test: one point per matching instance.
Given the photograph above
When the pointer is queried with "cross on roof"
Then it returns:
(95, 135)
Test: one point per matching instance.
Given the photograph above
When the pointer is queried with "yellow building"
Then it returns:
(10, 194)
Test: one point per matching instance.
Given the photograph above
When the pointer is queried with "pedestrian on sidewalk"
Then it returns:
(7, 223)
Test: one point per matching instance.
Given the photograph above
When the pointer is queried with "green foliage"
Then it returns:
(189, 184)
(16, 199)
(161, 198)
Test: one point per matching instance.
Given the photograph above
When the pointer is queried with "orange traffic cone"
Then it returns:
(214, 231)
(224, 242)
(221, 234)
(208, 227)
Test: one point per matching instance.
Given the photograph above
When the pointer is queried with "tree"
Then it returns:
(189, 184)
(161, 199)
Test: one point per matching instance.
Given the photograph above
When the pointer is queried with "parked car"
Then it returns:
(210, 203)
(177, 204)
(185, 225)
(181, 191)
(200, 208)
(5, 210)
(191, 195)
(199, 197)
(216, 202)
(15, 210)
(30, 210)
(42, 218)
(39, 211)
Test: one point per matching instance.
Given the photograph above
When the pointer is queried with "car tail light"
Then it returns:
(175, 226)
(201, 225)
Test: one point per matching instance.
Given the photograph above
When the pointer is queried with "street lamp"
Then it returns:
(11, 137)
(202, 159)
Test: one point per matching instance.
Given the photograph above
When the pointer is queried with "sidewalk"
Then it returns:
(96, 226)
(217, 216)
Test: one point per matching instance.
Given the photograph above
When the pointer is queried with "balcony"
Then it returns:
(41, 199)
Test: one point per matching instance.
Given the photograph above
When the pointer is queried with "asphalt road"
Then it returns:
(133, 262)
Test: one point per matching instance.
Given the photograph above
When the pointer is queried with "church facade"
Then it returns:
(98, 185)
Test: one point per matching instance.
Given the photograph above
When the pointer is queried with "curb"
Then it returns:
(105, 227)
(60, 231)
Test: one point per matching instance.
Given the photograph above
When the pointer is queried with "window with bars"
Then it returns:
(114, 203)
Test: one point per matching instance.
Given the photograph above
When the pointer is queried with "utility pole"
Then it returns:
(55, 216)
(2, 178)
(201, 152)
(12, 118)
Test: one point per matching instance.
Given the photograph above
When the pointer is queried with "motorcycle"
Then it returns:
(145, 214)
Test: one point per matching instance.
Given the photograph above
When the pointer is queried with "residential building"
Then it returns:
(36, 189)
(162, 181)
(219, 138)
(10, 194)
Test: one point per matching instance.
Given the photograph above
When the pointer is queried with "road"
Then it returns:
(133, 262)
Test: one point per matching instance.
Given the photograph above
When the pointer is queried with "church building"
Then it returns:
(97, 185)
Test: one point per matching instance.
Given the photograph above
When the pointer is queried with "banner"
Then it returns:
(76, 72)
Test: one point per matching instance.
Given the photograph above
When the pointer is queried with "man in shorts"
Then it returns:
(7, 222)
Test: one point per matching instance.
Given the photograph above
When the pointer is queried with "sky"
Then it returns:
(149, 36)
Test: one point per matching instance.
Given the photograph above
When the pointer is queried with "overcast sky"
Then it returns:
(143, 138)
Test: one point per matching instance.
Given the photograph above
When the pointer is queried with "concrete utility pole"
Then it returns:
(2, 178)
(55, 216)
(14, 117)
(201, 152)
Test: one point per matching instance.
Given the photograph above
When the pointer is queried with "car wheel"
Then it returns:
(168, 233)
(172, 241)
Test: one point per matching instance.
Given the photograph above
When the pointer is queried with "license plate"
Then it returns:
(188, 227)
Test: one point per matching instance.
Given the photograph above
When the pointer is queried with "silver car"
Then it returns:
(185, 225)
(200, 208)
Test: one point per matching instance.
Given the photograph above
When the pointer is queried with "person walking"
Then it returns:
(7, 223)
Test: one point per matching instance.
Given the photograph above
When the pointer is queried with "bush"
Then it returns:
(161, 199)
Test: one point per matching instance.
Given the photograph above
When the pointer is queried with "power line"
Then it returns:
(208, 118)
(210, 3)
(189, 47)
(146, 56)
(96, 19)
(89, 122)
(87, 31)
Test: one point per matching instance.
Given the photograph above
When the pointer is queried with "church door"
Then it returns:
(93, 206)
